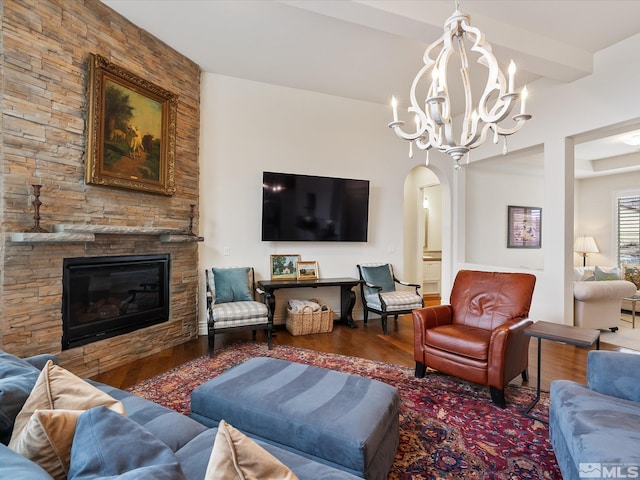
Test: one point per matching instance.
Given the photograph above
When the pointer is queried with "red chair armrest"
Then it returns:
(425, 318)
(508, 352)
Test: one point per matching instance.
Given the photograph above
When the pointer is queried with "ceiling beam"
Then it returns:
(424, 21)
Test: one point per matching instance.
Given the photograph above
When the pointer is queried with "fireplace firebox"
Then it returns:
(107, 296)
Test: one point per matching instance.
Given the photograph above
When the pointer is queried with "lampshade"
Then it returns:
(585, 244)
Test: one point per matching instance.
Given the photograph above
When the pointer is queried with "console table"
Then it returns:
(347, 295)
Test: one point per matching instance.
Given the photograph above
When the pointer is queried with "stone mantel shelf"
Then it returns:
(86, 233)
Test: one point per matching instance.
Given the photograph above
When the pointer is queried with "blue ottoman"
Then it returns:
(342, 420)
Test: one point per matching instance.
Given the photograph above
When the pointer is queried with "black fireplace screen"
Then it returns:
(108, 296)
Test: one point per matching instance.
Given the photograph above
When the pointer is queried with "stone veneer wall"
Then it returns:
(44, 72)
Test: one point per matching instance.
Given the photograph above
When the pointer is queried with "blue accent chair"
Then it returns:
(380, 295)
(233, 303)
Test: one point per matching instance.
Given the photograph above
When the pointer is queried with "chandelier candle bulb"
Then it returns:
(394, 106)
(523, 100)
(512, 72)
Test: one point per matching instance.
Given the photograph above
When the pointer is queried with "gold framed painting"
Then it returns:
(284, 267)
(131, 136)
(307, 270)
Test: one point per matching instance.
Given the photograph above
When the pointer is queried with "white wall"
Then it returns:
(433, 195)
(607, 97)
(249, 127)
(596, 210)
(489, 193)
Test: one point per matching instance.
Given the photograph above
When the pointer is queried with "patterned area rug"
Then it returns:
(448, 428)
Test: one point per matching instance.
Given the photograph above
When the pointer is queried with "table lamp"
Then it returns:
(583, 245)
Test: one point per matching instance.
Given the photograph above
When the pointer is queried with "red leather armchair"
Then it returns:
(479, 337)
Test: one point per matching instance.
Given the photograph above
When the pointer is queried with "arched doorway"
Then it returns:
(423, 230)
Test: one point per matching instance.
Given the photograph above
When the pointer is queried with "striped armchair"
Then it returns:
(379, 294)
(232, 304)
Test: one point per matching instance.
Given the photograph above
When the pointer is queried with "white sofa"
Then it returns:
(598, 297)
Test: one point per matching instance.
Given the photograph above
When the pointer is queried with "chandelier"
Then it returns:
(431, 102)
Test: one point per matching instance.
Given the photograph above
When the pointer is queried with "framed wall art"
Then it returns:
(307, 270)
(131, 135)
(524, 228)
(284, 267)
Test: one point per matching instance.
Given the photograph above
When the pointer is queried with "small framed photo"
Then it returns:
(284, 266)
(307, 270)
(524, 227)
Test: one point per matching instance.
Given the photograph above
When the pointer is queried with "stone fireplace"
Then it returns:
(44, 96)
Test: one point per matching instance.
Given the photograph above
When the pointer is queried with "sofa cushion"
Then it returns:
(394, 301)
(578, 274)
(172, 428)
(240, 313)
(607, 274)
(231, 285)
(593, 427)
(47, 438)
(17, 378)
(459, 339)
(236, 456)
(108, 445)
(614, 374)
(583, 274)
(379, 275)
(57, 388)
(15, 466)
(195, 455)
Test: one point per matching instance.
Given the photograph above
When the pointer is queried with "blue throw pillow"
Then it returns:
(232, 285)
(107, 444)
(379, 275)
(17, 378)
(14, 465)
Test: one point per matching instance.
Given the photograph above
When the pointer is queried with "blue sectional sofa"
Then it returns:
(180, 445)
(595, 429)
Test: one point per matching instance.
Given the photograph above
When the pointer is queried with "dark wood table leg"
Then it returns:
(270, 297)
(537, 399)
(347, 302)
(271, 300)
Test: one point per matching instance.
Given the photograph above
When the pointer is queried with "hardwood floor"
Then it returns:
(559, 361)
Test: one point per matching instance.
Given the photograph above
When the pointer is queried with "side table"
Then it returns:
(633, 299)
(556, 332)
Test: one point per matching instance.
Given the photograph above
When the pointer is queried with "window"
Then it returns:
(629, 230)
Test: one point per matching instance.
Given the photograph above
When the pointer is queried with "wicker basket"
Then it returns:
(308, 321)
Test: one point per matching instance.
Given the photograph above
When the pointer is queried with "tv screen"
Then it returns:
(310, 208)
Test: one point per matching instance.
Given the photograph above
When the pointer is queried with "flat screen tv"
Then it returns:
(299, 208)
